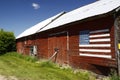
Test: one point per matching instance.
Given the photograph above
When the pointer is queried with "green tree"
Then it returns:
(7, 41)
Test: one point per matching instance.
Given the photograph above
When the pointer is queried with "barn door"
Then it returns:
(58, 41)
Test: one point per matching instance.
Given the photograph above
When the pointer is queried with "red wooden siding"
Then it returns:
(42, 45)
(92, 62)
(98, 65)
(59, 41)
(19, 46)
(66, 39)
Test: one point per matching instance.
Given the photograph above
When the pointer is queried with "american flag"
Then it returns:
(95, 43)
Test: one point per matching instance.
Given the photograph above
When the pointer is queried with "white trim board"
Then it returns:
(95, 45)
(100, 40)
(96, 50)
(99, 35)
(96, 55)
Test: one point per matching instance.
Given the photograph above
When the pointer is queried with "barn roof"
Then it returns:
(34, 29)
(97, 8)
(94, 9)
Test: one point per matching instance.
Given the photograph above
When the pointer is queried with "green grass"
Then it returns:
(26, 68)
(114, 76)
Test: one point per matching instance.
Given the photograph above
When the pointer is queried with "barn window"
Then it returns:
(84, 37)
(33, 50)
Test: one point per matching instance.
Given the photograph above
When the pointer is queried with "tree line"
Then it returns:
(7, 41)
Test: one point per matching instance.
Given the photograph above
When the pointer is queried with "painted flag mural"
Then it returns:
(95, 43)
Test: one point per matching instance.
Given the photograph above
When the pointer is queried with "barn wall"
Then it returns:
(19, 45)
(92, 63)
(42, 45)
(21, 48)
(57, 39)
(66, 38)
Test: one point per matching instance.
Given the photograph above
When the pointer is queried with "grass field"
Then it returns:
(28, 68)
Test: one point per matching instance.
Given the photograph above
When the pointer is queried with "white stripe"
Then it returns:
(96, 50)
(96, 55)
(97, 31)
(99, 35)
(100, 40)
(95, 45)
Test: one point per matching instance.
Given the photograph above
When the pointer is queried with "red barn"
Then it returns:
(85, 38)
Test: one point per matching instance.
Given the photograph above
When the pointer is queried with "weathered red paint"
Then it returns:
(68, 44)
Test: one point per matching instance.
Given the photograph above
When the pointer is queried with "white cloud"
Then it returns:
(35, 5)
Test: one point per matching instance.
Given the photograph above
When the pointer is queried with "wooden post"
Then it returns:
(117, 40)
(56, 51)
(119, 59)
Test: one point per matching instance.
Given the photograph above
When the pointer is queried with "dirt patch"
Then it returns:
(7, 78)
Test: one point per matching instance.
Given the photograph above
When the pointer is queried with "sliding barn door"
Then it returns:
(58, 41)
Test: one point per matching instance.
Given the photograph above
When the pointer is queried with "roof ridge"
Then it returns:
(62, 13)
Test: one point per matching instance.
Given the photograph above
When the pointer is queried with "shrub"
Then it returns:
(7, 41)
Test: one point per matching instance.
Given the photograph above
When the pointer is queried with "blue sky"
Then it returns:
(18, 15)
